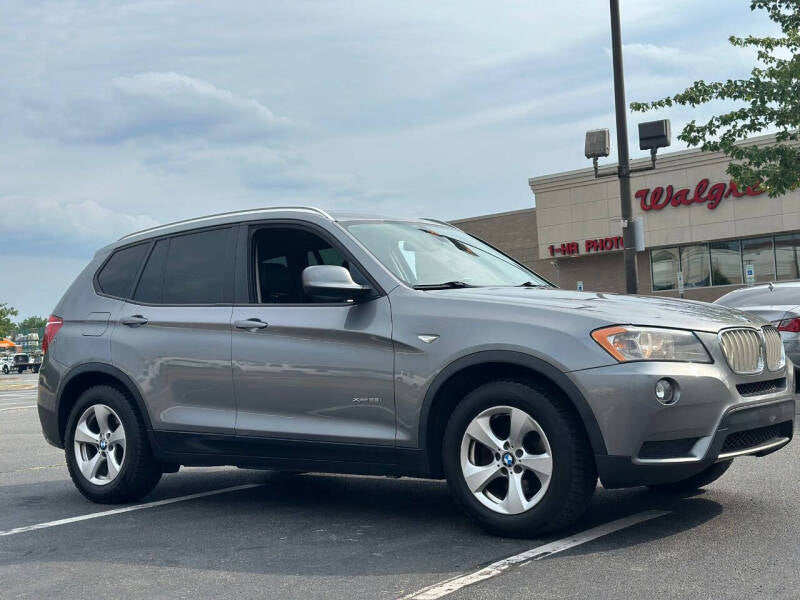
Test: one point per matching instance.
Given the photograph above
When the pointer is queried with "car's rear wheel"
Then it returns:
(695, 482)
(517, 459)
(107, 450)
(5, 369)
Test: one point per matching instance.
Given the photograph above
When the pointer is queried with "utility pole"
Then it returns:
(624, 166)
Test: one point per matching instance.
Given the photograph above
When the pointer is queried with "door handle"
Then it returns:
(250, 324)
(134, 321)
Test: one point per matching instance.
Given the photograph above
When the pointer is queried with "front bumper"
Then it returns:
(750, 430)
(648, 443)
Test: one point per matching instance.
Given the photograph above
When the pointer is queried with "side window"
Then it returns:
(279, 256)
(151, 283)
(196, 267)
(117, 276)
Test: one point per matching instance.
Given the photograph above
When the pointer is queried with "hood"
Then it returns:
(614, 309)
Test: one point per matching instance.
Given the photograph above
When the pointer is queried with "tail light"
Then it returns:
(54, 323)
(789, 325)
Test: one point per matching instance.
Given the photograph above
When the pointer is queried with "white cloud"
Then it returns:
(166, 105)
(71, 223)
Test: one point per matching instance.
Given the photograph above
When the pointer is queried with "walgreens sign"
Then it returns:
(704, 193)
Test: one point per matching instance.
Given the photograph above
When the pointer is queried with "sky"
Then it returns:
(116, 116)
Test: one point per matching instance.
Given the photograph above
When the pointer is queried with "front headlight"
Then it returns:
(627, 343)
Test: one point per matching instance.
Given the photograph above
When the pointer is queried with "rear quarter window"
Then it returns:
(117, 276)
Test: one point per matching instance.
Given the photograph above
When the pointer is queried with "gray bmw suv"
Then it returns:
(290, 339)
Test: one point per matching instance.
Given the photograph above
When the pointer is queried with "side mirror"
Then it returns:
(329, 282)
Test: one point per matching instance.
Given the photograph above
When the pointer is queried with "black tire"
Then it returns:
(36, 369)
(140, 472)
(20, 370)
(5, 369)
(695, 482)
(574, 474)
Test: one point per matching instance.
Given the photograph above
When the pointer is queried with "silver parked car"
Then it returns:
(778, 303)
(287, 338)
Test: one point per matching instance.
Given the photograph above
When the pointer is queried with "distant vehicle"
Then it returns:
(778, 303)
(22, 362)
(296, 340)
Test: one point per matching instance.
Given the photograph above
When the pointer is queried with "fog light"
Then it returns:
(665, 392)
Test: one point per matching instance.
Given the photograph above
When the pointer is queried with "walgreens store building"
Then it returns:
(700, 229)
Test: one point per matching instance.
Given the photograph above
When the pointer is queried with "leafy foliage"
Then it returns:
(31, 323)
(6, 326)
(770, 99)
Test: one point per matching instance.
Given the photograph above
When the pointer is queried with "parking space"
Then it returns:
(327, 536)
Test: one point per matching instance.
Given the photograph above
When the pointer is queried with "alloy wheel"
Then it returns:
(506, 460)
(99, 444)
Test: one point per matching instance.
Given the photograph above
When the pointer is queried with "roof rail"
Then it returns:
(246, 211)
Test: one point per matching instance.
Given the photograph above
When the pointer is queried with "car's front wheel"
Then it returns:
(517, 459)
(107, 450)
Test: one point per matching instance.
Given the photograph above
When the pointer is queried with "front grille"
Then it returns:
(760, 388)
(773, 348)
(742, 349)
(752, 438)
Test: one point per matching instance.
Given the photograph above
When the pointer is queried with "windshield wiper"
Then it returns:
(530, 284)
(447, 285)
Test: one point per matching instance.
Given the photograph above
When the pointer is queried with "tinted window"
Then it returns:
(695, 266)
(787, 255)
(195, 269)
(726, 263)
(665, 264)
(151, 284)
(759, 253)
(116, 278)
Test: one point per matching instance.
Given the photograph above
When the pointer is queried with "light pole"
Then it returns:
(652, 136)
(623, 156)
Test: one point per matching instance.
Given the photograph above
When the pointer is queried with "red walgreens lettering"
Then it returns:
(712, 195)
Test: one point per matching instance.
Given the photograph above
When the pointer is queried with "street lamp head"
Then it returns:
(654, 135)
(597, 143)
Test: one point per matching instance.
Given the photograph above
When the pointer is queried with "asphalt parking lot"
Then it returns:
(324, 536)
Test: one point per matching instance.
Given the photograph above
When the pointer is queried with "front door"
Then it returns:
(305, 370)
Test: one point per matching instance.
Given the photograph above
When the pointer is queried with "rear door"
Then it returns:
(173, 335)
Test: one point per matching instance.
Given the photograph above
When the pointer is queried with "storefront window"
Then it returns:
(726, 263)
(759, 253)
(787, 256)
(695, 266)
(665, 264)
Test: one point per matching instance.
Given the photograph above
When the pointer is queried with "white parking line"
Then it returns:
(117, 511)
(17, 407)
(439, 590)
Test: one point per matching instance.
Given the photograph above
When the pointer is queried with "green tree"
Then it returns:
(768, 100)
(31, 323)
(6, 326)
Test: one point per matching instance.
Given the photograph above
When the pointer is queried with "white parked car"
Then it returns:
(6, 363)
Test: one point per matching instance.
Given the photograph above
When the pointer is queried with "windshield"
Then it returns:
(429, 255)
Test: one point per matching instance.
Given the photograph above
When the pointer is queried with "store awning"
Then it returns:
(5, 343)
